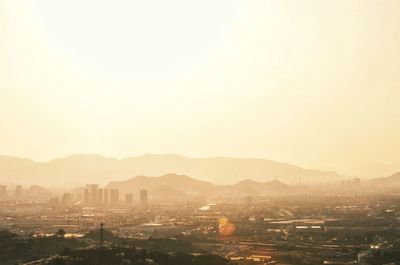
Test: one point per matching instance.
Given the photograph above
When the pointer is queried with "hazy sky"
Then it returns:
(315, 83)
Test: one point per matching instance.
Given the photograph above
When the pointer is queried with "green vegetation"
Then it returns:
(58, 250)
(17, 249)
(128, 256)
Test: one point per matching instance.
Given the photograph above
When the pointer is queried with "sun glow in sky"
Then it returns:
(315, 83)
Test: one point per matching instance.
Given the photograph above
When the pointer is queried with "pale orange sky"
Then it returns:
(314, 83)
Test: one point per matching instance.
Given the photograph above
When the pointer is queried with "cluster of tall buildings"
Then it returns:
(96, 196)
(18, 191)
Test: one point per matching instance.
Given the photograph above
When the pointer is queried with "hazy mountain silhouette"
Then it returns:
(251, 187)
(37, 192)
(169, 183)
(376, 170)
(392, 180)
(99, 169)
(174, 186)
(9, 163)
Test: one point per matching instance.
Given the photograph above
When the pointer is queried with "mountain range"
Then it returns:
(392, 180)
(81, 169)
(173, 186)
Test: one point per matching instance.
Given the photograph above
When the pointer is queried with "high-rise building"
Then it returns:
(106, 197)
(129, 199)
(143, 197)
(100, 196)
(86, 199)
(18, 191)
(93, 191)
(248, 201)
(67, 198)
(3, 191)
(114, 197)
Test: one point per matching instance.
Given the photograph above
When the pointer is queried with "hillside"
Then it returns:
(168, 186)
(70, 171)
(172, 186)
(251, 187)
(392, 180)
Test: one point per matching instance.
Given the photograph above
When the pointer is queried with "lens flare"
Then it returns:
(226, 228)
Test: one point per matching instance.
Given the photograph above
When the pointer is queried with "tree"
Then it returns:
(61, 233)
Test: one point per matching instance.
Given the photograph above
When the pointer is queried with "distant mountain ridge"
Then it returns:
(393, 179)
(173, 186)
(166, 186)
(169, 182)
(249, 186)
(71, 170)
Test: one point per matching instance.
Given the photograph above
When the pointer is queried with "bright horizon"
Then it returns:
(310, 83)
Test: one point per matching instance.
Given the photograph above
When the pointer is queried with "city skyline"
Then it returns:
(179, 132)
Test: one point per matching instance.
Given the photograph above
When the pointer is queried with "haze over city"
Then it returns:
(280, 80)
(179, 132)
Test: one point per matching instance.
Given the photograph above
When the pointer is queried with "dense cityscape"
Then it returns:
(179, 132)
(342, 228)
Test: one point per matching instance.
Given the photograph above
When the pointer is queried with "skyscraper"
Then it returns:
(129, 199)
(106, 196)
(67, 198)
(249, 200)
(143, 197)
(18, 191)
(86, 196)
(3, 191)
(93, 188)
(100, 197)
(114, 197)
